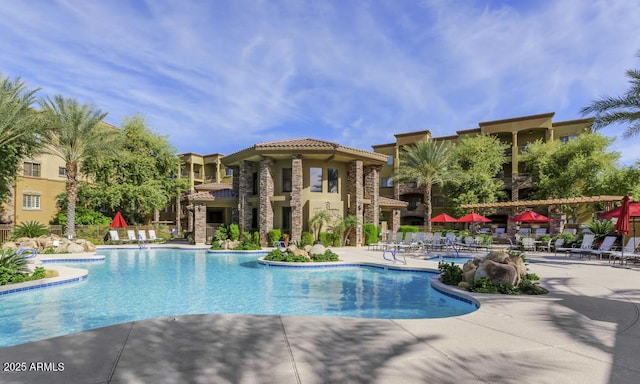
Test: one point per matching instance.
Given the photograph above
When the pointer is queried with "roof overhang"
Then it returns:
(529, 203)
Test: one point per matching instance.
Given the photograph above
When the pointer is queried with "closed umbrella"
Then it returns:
(622, 225)
(118, 221)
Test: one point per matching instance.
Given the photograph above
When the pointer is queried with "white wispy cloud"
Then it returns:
(220, 76)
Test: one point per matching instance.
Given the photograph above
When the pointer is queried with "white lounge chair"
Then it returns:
(131, 235)
(587, 242)
(142, 235)
(628, 252)
(604, 248)
(113, 235)
(540, 232)
(152, 235)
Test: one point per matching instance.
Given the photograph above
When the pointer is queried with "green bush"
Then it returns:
(408, 228)
(234, 232)
(371, 233)
(222, 233)
(307, 239)
(29, 229)
(450, 273)
(528, 287)
(328, 255)
(277, 255)
(274, 235)
(13, 269)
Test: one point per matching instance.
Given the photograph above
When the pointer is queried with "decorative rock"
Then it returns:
(498, 273)
(469, 276)
(517, 262)
(468, 266)
(464, 285)
(318, 249)
(9, 245)
(497, 256)
(75, 248)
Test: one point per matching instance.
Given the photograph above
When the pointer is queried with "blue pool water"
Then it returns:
(451, 259)
(139, 284)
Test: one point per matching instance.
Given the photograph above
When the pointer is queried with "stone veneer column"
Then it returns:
(296, 198)
(235, 211)
(265, 178)
(371, 192)
(245, 189)
(395, 220)
(190, 217)
(355, 190)
(200, 233)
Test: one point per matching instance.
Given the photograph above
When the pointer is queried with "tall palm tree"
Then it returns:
(77, 132)
(427, 163)
(18, 121)
(623, 109)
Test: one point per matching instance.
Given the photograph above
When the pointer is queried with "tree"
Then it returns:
(20, 129)
(427, 163)
(140, 178)
(623, 109)
(318, 220)
(479, 160)
(344, 227)
(77, 133)
(577, 168)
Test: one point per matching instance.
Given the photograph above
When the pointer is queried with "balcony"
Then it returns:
(413, 213)
(410, 189)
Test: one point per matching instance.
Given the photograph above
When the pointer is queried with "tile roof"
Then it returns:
(387, 202)
(213, 195)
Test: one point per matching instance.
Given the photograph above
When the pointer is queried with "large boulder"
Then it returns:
(498, 256)
(9, 245)
(517, 262)
(75, 248)
(468, 272)
(498, 273)
(317, 249)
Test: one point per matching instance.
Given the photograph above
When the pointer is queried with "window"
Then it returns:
(286, 180)
(332, 180)
(32, 169)
(566, 139)
(30, 201)
(315, 179)
(387, 182)
(228, 171)
(390, 160)
(62, 171)
(254, 183)
(438, 201)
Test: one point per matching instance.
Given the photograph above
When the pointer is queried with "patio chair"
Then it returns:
(528, 244)
(628, 252)
(152, 235)
(604, 248)
(524, 232)
(437, 241)
(142, 235)
(131, 235)
(113, 235)
(586, 245)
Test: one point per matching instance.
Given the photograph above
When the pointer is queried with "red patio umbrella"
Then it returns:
(443, 218)
(530, 217)
(634, 211)
(118, 221)
(473, 218)
(622, 226)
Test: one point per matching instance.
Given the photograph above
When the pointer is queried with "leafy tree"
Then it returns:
(344, 227)
(20, 128)
(140, 177)
(77, 134)
(318, 220)
(577, 168)
(479, 159)
(427, 163)
(623, 109)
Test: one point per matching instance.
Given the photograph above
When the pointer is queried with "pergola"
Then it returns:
(530, 203)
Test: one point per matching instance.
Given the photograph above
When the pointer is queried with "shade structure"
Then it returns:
(530, 217)
(118, 221)
(634, 211)
(622, 225)
(443, 218)
(473, 218)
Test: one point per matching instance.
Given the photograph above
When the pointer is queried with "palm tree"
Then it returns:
(623, 109)
(77, 132)
(17, 119)
(427, 163)
(319, 219)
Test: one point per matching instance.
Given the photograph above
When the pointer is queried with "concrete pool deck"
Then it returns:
(586, 330)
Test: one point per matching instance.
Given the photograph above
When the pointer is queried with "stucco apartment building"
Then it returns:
(517, 132)
(33, 196)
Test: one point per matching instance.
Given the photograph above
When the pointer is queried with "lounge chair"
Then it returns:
(113, 235)
(142, 235)
(628, 252)
(528, 244)
(604, 248)
(523, 232)
(437, 241)
(585, 246)
(540, 232)
(152, 235)
(500, 232)
(131, 235)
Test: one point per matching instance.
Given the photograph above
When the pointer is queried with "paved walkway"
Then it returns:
(585, 331)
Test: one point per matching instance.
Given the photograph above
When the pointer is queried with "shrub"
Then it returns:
(483, 285)
(528, 287)
(307, 239)
(29, 229)
(274, 235)
(234, 232)
(256, 238)
(407, 228)
(13, 269)
(222, 233)
(450, 273)
(371, 233)
(328, 255)
(277, 255)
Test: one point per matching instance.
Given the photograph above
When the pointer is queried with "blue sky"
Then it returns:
(219, 76)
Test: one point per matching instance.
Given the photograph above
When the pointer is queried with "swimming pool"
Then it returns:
(139, 284)
(451, 259)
